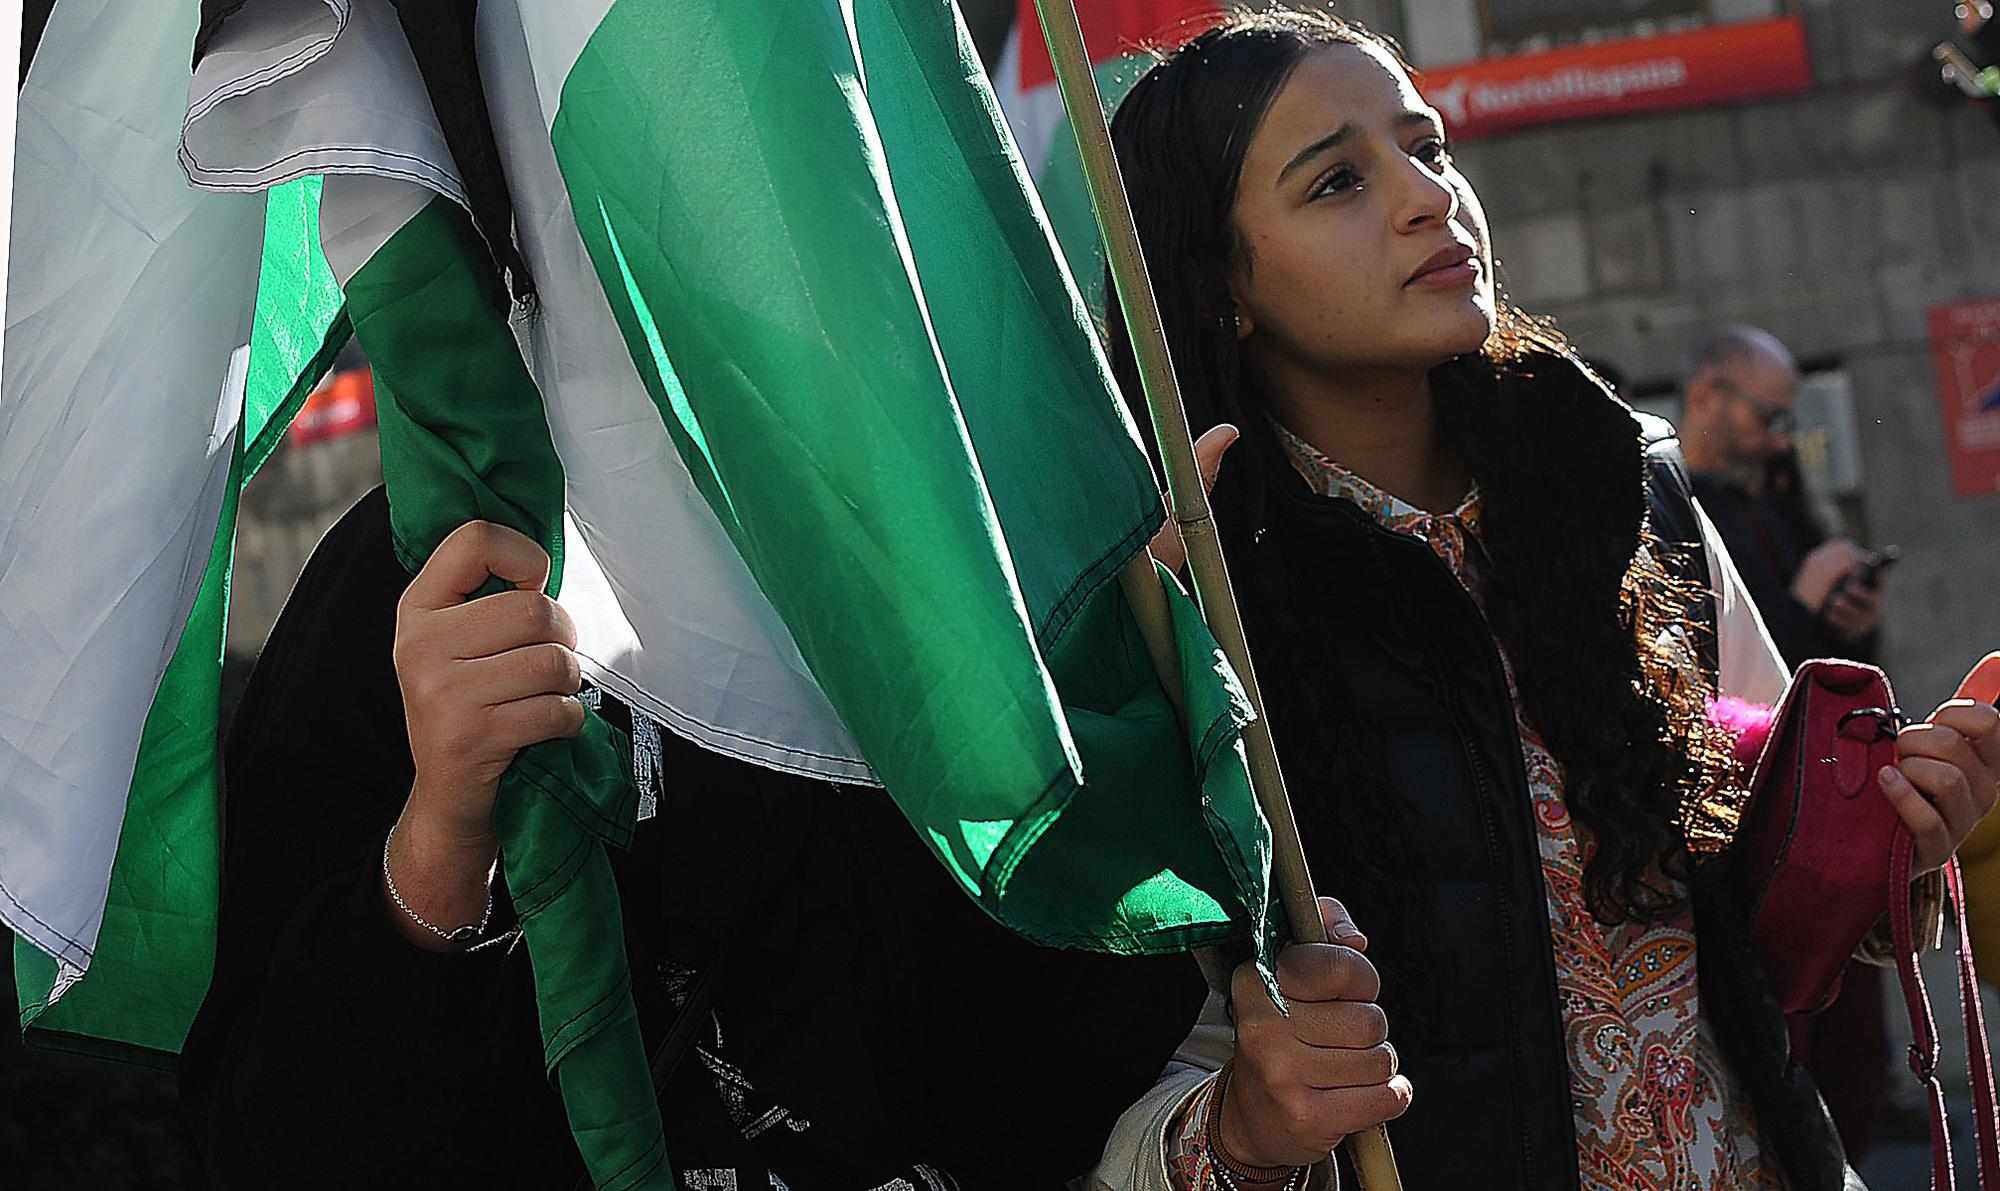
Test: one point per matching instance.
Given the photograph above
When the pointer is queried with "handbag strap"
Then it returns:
(1924, 1047)
(1979, 1058)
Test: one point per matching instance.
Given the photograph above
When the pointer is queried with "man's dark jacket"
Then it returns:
(1768, 555)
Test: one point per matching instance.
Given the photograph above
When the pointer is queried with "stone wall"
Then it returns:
(1834, 219)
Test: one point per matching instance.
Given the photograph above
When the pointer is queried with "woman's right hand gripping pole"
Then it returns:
(1302, 1081)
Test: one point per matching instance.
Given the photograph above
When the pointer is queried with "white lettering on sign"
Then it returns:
(1464, 99)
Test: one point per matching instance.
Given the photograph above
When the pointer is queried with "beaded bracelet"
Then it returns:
(1225, 1162)
(1296, 1181)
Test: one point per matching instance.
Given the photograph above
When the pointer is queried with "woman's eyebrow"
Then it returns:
(1332, 140)
(1420, 116)
(1329, 141)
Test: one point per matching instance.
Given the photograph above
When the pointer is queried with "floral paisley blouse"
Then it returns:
(1656, 1108)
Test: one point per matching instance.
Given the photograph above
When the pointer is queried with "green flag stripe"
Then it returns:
(461, 424)
(156, 949)
(464, 436)
(286, 410)
(1064, 193)
(722, 273)
(300, 325)
(955, 449)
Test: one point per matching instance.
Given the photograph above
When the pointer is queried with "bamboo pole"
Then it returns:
(1373, 1160)
(1148, 600)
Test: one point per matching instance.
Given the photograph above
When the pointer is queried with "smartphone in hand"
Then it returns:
(1878, 564)
(1868, 574)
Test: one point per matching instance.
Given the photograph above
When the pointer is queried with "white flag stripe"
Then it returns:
(667, 613)
(557, 34)
(126, 293)
(290, 88)
(262, 47)
(1034, 115)
(358, 213)
(10, 61)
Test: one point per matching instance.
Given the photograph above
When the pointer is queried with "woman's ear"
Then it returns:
(1238, 312)
(1231, 319)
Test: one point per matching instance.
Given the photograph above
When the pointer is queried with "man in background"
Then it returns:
(1739, 386)
(1820, 598)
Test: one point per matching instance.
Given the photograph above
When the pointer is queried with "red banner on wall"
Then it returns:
(1965, 350)
(1717, 64)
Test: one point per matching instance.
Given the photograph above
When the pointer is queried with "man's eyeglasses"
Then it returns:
(1777, 419)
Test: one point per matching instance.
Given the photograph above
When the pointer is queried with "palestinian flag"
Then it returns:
(804, 404)
(1123, 38)
(133, 406)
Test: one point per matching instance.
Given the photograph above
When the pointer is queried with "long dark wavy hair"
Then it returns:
(1593, 623)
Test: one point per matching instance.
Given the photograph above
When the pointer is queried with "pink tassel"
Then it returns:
(1748, 723)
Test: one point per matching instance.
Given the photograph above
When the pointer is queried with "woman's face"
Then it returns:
(1361, 246)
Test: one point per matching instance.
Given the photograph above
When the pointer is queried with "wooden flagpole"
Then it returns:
(1373, 1161)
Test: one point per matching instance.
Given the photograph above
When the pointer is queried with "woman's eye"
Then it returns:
(1338, 180)
(1432, 151)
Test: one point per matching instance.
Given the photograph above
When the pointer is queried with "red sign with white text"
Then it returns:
(343, 403)
(1717, 64)
(1965, 350)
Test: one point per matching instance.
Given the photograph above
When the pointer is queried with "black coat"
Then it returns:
(1490, 1071)
(868, 1022)
(1768, 554)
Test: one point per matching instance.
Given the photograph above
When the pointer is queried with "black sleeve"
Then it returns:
(1798, 631)
(1670, 505)
(330, 1052)
(1005, 1063)
(1795, 628)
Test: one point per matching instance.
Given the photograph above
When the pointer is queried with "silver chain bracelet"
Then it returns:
(461, 934)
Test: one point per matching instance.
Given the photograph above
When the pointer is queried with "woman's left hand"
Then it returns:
(1946, 777)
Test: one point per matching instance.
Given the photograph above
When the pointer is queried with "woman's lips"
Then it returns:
(1449, 269)
(1448, 277)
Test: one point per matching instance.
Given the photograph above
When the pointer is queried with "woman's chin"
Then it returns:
(1467, 331)
(1455, 323)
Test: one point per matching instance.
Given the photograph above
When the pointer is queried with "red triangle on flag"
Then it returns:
(1111, 29)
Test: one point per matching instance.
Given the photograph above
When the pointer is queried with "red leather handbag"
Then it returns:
(1822, 856)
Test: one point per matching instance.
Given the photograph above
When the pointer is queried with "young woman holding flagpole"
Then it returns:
(1486, 677)
(1317, 1051)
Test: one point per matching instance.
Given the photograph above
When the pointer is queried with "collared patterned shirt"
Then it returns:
(1655, 1106)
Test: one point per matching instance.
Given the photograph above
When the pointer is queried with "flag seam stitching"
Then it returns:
(275, 72)
(1093, 578)
(50, 928)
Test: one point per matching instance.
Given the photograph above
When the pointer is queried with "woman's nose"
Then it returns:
(1425, 197)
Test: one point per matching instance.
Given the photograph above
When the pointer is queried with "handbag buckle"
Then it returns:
(1887, 721)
